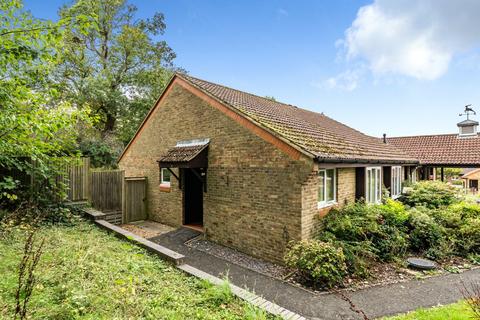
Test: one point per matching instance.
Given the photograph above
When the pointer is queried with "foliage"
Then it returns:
(89, 274)
(431, 194)
(456, 311)
(386, 232)
(319, 262)
(219, 295)
(113, 63)
(34, 126)
(427, 235)
(449, 173)
(367, 233)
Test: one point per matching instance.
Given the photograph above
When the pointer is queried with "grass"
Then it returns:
(86, 273)
(456, 311)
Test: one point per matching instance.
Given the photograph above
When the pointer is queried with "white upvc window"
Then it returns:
(165, 177)
(373, 180)
(396, 183)
(413, 176)
(327, 187)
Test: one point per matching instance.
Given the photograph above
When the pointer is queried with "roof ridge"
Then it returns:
(423, 135)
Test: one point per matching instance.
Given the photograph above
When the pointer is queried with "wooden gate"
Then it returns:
(134, 199)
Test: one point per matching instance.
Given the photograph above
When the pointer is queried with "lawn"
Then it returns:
(456, 311)
(86, 273)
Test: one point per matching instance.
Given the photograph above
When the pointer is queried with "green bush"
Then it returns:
(431, 194)
(367, 233)
(427, 235)
(320, 263)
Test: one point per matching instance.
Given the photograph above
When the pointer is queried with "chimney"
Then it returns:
(384, 138)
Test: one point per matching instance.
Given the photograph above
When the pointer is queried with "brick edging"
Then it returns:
(159, 250)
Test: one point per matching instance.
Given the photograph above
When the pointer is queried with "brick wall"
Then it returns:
(254, 198)
(310, 210)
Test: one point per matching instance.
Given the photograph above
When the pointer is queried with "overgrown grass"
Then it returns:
(456, 311)
(86, 273)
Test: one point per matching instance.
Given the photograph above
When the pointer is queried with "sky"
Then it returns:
(400, 67)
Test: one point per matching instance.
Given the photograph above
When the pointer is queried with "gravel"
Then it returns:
(238, 258)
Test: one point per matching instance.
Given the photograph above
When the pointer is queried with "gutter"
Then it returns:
(364, 161)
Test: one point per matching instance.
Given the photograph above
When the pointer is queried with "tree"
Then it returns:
(115, 64)
(33, 127)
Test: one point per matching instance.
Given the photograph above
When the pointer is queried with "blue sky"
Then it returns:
(392, 66)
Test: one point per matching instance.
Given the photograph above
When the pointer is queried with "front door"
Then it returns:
(474, 184)
(192, 198)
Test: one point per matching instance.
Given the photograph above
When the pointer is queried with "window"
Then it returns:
(326, 187)
(165, 177)
(396, 182)
(373, 182)
(414, 175)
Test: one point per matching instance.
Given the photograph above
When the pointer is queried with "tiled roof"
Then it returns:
(441, 149)
(182, 154)
(325, 138)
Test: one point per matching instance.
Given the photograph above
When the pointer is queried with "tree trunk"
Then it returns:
(109, 124)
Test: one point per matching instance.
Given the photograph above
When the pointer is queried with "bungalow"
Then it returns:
(250, 172)
(455, 150)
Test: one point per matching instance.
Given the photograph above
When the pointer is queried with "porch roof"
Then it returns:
(186, 154)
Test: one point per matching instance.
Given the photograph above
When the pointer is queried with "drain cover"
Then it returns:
(419, 263)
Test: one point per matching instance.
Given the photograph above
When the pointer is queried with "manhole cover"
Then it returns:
(419, 263)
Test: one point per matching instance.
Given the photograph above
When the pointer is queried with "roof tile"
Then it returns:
(316, 133)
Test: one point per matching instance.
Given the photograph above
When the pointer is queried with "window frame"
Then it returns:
(377, 192)
(164, 183)
(327, 203)
(396, 183)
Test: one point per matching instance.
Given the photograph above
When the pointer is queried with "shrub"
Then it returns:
(430, 194)
(468, 237)
(318, 262)
(367, 232)
(427, 235)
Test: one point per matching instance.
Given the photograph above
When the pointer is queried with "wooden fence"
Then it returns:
(122, 199)
(78, 184)
(106, 189)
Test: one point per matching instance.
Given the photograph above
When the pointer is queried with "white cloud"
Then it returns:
(347, 80)
(410, 37)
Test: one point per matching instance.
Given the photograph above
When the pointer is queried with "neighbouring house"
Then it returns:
(250, 172)
(457, 150)
(470, 178)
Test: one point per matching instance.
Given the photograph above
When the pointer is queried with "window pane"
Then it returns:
(165, 175)
(379, 186)
(321, 186)
(330, 185)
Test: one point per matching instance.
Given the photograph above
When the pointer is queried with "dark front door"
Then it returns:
(192, 197)
(474, 184)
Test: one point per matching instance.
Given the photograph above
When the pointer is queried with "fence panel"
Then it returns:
(78, 184)
(135, 199)
(106, 190)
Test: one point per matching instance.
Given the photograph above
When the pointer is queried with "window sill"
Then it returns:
(165, 187)
(323, 205)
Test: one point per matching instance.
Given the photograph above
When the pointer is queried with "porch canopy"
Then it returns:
(186, 154)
